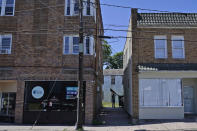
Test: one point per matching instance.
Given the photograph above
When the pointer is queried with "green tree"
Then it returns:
(109, 61)
(106, 53)
(116, 61)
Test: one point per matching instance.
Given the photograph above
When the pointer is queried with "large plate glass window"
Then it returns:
(51, 96)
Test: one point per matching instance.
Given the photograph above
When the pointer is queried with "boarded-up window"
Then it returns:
(160, 92)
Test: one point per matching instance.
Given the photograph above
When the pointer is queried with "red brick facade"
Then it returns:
(37, 49)
(141, 48)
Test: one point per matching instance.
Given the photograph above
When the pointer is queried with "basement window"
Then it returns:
(7, 7)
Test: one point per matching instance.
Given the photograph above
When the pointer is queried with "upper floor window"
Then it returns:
(75, 45)
(72, 7)
(71, 45)
(7, 7)
(178, 50)
(160, 46)
(5, 44)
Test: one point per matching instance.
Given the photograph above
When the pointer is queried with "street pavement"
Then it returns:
(113, 120)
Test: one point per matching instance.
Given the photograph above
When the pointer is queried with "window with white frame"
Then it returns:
(5, 44)
(71, 45)
(72, 7)
(75, 45)
(76, 7)
(160, 46)
(7, 7)
(178, 50)
(160, 92)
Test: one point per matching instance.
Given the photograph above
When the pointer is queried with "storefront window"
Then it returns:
(50, 96)
(7, 104)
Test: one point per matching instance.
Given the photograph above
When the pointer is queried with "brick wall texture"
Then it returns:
(143, 51)
(37, 48)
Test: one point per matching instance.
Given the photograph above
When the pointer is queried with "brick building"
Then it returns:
(160, 65)
(39, 60)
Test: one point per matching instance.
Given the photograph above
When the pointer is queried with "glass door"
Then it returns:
(189, 99)
(4, 104)
(7, 106)
(11, 106)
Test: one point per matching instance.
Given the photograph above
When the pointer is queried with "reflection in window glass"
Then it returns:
(68, 7)
(88, 7)
(76, 6)
(9, 9)
(75, 45)
(62, 98)
(88, 45)
(0, 6)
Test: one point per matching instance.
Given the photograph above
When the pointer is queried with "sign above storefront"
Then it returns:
(37, 92)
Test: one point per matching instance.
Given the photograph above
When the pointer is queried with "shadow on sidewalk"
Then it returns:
(114, 117)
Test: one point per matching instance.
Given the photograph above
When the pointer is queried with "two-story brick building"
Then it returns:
(160, 65)
(39, 46)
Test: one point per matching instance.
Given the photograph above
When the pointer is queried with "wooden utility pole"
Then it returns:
(79, 124)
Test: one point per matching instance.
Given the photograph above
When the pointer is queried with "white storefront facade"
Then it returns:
(167, 94)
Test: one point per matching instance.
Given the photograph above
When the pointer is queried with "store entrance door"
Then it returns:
(7, 106)
(189, 99)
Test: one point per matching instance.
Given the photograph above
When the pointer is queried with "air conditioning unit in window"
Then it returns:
(4, 51)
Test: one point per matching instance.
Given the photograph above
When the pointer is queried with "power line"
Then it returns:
(113, 25)
(51, 90)
(146, 38)
(104, 4)
(158, 32)
(129, 7)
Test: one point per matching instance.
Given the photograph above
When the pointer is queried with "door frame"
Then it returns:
(192, 103)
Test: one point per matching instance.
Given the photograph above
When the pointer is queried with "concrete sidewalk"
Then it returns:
(176, 126)
(115, 120)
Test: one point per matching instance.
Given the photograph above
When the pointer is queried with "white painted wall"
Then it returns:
(127, 67)
(118, 87)
(161, 113)
(189, 78)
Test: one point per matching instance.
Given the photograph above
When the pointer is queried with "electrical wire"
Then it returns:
(129, 7)
(147, 38)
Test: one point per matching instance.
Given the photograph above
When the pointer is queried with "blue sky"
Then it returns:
(120, 16)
